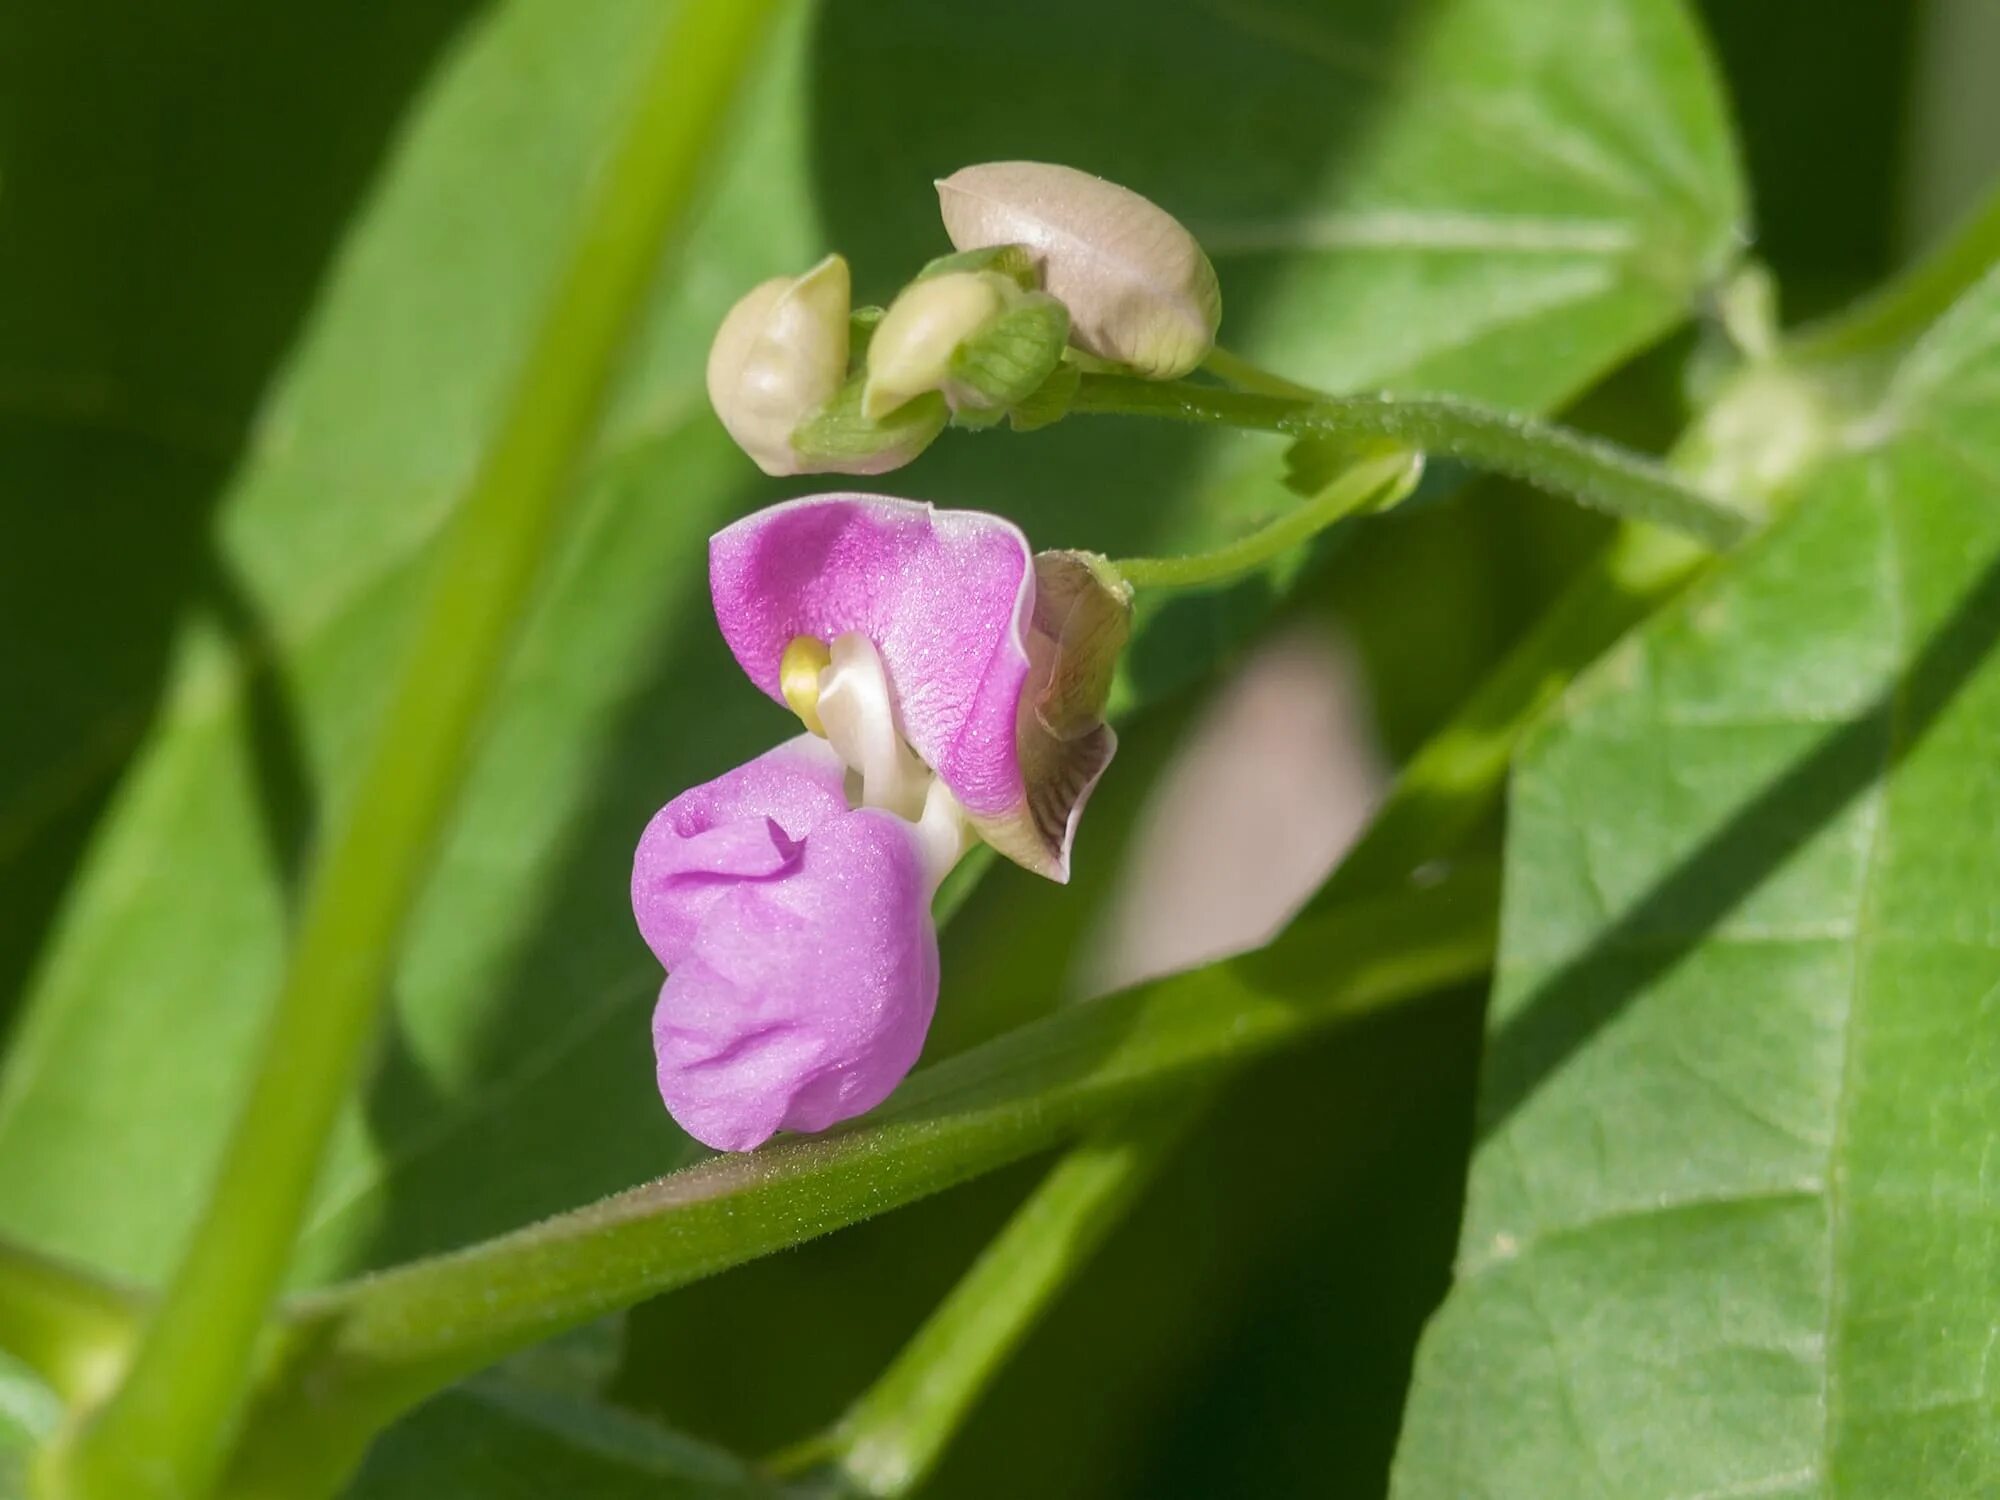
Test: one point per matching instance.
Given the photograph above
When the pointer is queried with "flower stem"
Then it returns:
(891, 1439)
(165, 1432)
(1565, 463)
(70, 1328)
(1386, 477)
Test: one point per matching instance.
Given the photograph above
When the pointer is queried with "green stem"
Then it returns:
(1563, 462)
(891, 1438)
(1246, 376)
(360, 1354)
(166, 1430)
(1898, 312)
(68, 1327)
(1356, 489)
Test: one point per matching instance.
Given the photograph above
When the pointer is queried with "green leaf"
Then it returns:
(1462, 199)
(498, 1440)
(1731, 1220)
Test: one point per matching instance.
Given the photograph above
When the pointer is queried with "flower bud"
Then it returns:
(913, 346)
(976, 337)
(839, 439)
(1138, 288)
(779, 357)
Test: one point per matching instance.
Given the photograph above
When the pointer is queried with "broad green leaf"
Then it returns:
(1732, 1223)
(498, 1440)
(1452, 196)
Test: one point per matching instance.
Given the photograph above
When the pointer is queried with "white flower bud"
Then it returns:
(976, 337)
(1138, 287)
(779, 357)
(912, 349)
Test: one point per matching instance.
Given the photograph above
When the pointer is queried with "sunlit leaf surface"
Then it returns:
(1733, 1219)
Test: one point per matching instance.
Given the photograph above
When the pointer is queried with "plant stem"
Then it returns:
(165, 1432)
(1898, 312)
(70, 1328)
(1244, 375)
(1354, 490)
(361, 1353)
(1563, 462)
(891, 1438)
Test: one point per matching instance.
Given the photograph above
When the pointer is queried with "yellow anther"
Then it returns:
(798, 678)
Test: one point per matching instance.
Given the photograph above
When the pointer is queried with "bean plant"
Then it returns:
(599, 602)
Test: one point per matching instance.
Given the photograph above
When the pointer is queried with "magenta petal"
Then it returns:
(803, 997)
(745, 824)
(945, 596)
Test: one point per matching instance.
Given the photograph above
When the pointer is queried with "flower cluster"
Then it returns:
(1050, 262)
(950, 683)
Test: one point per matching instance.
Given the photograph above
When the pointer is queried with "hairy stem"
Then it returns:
(166, 1430)
(1366, 483)
(1565, 463)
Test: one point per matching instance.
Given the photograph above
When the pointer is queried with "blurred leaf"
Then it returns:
(496, 1440)
(1731, 1223)
(1457, 196)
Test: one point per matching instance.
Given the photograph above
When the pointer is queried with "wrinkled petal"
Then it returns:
(803, 998)
(945, 596)
(745, 824)
(1082, 619)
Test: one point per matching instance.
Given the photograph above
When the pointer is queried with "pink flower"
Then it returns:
(959, 682)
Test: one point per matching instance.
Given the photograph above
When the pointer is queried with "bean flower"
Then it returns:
(951, 686)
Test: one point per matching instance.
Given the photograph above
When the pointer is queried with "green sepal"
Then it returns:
(978, 418)
(1049, 402)
(838, 433)
(1009, 359)
(1012, 261)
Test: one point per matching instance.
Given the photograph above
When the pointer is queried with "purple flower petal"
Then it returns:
(945, 596)
(803, 961)
(746, 823)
